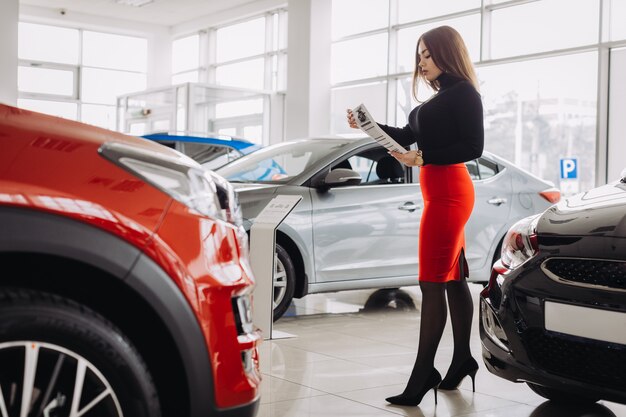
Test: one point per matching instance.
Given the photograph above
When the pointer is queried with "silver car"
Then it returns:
(357, 224)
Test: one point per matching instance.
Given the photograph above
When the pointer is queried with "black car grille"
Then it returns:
(592, 362)
(596, 272)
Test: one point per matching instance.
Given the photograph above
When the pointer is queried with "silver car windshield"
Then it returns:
(280, 162)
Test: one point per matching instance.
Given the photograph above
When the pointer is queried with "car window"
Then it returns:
(221, 160)
(279, 162)
(374, 166)
(481, 168)
(365, 167)
(209, 155)
(169, 144)
(487, 168)
(472, 168)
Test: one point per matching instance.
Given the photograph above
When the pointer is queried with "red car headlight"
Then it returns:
(179, 176)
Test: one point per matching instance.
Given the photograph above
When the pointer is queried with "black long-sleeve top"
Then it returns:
(448, 128)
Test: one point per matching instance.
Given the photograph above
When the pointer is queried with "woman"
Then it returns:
(448, 129)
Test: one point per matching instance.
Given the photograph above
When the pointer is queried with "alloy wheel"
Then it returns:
(46, 380)
(280, 281)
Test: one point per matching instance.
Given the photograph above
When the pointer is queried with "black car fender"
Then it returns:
(33, 231)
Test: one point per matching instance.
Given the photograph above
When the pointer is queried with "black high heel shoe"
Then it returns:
(468, 368)
(433, 381)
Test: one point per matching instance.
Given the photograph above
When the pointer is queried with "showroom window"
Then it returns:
(580, 27)
(388, 35)
(250, 54)
(350, 17)
(374, 95)
(186, 59)
(77, 74)
(617, 29)
(349, 61)
(468, 26)
(539, 89)
(534, 118)
(411, 10)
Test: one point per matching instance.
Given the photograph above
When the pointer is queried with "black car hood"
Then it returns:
(597, 212)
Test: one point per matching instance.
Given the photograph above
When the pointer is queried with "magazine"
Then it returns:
(365, 122)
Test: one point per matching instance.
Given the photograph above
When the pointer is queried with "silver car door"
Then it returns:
(491, 211)
(366, 231)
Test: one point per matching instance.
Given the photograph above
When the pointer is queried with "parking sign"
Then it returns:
(569, 168)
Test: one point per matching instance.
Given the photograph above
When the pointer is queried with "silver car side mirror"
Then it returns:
(623, 176)
(339, 177)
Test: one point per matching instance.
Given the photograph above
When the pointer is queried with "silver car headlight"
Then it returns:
(228, 199)
(178, 176)
(520, 242)
(229, 202)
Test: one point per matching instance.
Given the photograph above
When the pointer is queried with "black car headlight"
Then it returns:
(520, 242)
(492, 327)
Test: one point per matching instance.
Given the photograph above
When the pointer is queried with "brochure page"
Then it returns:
(365, 122)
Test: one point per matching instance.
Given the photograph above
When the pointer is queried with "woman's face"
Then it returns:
(430, 71)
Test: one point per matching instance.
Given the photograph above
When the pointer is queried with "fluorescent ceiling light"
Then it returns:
(134, 3)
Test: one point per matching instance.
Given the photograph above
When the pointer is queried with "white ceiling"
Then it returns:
(160, 12)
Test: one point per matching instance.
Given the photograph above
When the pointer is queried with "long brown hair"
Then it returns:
(449, 53)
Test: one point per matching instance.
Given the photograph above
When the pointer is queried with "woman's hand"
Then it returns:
(410, 158)
(351, 120)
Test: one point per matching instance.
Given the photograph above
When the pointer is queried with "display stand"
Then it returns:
(262, 258)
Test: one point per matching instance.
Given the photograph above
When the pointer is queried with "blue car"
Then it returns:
(211, 152)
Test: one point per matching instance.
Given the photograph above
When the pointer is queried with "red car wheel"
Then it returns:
(58, 357)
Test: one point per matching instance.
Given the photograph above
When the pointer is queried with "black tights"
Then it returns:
(461, 313)
(432, 323)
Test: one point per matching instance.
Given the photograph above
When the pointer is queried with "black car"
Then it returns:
(554, 312)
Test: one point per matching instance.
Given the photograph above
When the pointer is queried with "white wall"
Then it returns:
(308, 69)
(8, 48)
(227, 16)
(159, 59)
(616, 161)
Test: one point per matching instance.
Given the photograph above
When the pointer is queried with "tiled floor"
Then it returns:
(344, 359)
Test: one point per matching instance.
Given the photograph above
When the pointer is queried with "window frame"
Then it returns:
(76, 70)
(604, 43)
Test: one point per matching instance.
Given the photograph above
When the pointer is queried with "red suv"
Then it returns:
(126, 283)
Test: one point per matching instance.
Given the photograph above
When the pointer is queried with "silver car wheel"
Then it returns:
(54, 379)
(280, 281)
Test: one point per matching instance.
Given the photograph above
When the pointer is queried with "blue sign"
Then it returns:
(569, 168)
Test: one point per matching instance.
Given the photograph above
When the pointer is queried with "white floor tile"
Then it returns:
(276, 389)
(450, 403)
(344, 361)
(334, 376)
(321, 406)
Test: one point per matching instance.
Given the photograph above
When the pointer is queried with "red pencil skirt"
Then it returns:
(448, 194)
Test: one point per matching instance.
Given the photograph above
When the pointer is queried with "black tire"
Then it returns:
(561, 397)
(284, 282)
(389, 299)
(68, 338)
